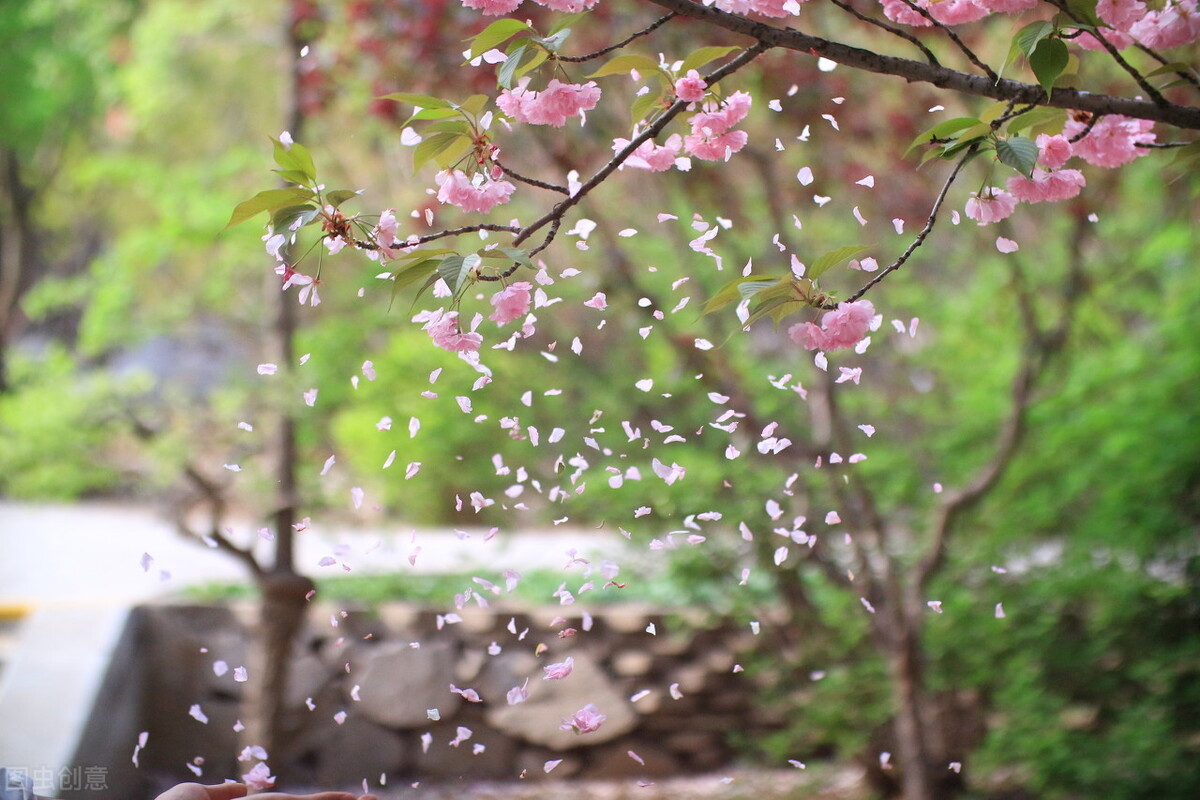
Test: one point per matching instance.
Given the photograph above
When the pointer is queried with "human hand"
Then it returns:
(231, 791)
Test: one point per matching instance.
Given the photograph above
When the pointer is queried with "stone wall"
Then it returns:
(363, 692)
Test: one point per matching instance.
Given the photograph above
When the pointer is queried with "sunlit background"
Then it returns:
(1060, 646)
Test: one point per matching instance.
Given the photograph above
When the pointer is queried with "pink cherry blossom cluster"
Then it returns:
(650, 156)
(1130, 21)
(990, 205)
(843, 327)
(511, 303)
(1112, 141)
(477, 194)
(1177, 23)
(443, 328)
(494, 8)
(554, 105)
(691, 87)
(712, 137)
(764, 8)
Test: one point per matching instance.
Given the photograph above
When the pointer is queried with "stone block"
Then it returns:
(632, 663)
(361, 749)
(398, 683)
(537, 720)
(504, 671)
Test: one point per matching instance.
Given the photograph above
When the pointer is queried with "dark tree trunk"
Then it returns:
(18, 251)
(284, 592)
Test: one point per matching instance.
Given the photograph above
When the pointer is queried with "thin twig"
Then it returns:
(651, 131)
(1091, 123)
(430, 237)
(1108, 46)
(214, 496)
(920, 239)
(903, 34)
(1187, 75)
(605, 51)
(966, 51)
(550, 187)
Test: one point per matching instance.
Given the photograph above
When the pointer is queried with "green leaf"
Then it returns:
(458, 126)
(1173, 67)
(497, 33)
(554, 42)
(1049, 61)
(419, 100)
(1018, 152)
(1029, 37)
(338, 196)
(539, 57)
(430, 146)
(434, 113)
(645, 105)
(827, 261)
(1187, 158)
(698, 58)
(771, 306)
(456, 269)
(269, 200)
(504, 75)
(623, 65)
(293, 176)
(946, 129)
(474, 105)
(739, 290)
(567, 21)
(408, 255)
(1084, 11)
(297, 158)
(284, 218)
(1040, 117)
(453, 152)
(518, 255)
(411, 273)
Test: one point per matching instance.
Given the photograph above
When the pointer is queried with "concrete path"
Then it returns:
(92, 553)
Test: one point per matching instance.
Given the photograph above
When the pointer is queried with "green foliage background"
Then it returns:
(1091, 680)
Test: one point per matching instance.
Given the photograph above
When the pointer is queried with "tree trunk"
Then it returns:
(284, 592)
(906, 670)
(284, 604)
(17, 250)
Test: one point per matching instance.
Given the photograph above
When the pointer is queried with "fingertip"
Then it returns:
(227, 791)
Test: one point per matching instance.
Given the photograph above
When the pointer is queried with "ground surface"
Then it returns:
(819, 782)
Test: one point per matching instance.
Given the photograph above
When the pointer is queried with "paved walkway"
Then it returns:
(91, 554)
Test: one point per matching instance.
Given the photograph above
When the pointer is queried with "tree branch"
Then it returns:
(653, 130)
(606, 50)
(916, 71)
(903, 34)
(920, 238)
(962, 46)
(213, 496)
(1108, 46)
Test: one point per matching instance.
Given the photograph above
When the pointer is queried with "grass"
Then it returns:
(537, 587)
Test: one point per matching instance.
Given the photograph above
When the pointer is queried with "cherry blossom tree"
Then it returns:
(1056, 114)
